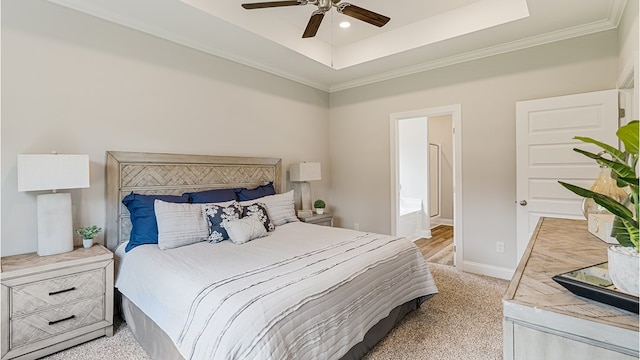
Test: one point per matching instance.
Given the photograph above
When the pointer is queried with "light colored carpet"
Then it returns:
(464, 321)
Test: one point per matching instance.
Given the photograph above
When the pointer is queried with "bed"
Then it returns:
(303, 291)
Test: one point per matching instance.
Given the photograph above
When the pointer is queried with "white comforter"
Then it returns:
(303, 292)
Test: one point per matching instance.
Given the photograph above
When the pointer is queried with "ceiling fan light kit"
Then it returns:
(313, 25)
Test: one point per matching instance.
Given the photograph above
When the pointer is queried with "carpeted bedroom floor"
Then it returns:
(463, 321)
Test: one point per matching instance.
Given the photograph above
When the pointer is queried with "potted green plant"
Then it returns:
(319, 206)
(624, 259)
(87, 234)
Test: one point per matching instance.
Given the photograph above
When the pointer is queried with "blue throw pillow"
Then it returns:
(216, 215)
(259, 210)
(143, 217)
(211, 196)
(251, 194)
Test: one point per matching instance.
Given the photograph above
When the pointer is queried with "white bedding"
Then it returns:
(303, 292)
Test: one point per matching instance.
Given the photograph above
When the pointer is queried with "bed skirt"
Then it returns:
(159, 346)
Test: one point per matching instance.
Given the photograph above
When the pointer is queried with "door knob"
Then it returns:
(523, 203)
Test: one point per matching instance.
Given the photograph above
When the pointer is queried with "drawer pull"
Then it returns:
(62, 291)
(61, 320)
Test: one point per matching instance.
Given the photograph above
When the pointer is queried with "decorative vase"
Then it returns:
(624, 268)
(319, 211)
(87, 243)
(605, 185)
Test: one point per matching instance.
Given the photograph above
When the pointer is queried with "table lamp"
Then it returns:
(303, 173)
(37, 172)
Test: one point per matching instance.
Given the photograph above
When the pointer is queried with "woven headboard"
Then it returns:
(175, 174)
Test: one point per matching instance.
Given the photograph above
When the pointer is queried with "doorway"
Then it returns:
(417, 176)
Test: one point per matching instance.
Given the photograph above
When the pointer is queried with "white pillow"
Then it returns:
(180, 224)
(244, 230)
(280, 207)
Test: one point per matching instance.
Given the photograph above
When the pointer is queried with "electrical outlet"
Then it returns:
(356, 226)
(500, 246)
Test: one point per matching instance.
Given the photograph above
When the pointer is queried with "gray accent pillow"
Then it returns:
(179, 224)
(280, 207)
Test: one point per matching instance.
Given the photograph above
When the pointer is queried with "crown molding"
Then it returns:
(530, 42)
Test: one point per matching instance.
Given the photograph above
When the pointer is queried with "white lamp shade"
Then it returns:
(52, 172)
(305, 171)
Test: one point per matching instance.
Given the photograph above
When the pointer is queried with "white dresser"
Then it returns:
(543, 320)
(50, 303)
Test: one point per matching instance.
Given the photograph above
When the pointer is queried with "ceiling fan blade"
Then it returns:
(363, 14)
(270, 4)
(313, 25)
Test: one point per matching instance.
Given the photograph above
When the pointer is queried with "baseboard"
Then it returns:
(488, 270)
(448, 222)
(438, 222)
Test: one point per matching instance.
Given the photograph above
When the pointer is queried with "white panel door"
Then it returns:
(544, 141)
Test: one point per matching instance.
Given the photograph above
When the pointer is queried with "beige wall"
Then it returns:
(487, 89)
(76, 84)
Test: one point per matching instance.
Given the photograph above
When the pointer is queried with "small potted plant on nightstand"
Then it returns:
(319, 206)
(88, 233)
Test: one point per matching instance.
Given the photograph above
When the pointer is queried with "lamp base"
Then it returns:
(55, 224)
(305, 189)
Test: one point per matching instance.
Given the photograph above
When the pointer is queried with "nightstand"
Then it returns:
(324, 219)
(50, 303)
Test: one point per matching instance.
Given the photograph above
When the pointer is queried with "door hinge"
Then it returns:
(454, 248)
(621, 113)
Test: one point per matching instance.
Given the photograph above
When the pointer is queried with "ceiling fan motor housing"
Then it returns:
(324, 5)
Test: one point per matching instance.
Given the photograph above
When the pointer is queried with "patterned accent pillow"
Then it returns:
(259, 210)
(216, 215)
(245, 229)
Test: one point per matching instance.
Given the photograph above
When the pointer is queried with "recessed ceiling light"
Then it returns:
(345, 24)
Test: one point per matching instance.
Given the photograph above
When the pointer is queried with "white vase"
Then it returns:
(624, 268)
(87, 243)
(319, 211)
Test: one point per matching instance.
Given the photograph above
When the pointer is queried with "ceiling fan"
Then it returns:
(348, 9)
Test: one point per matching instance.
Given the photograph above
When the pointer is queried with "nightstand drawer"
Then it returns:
(325, 222)
(44, 294)
(35, 327)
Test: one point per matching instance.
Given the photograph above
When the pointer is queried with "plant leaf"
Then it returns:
(629, 136)
(626, 233)
(619, 231)
(606, 202)
(608, 148)
(633, 181)
(620, 168)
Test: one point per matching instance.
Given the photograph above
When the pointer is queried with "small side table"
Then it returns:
(50, 303)
(324, 219)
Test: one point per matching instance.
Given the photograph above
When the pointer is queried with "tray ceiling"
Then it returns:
(421, 35)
